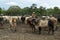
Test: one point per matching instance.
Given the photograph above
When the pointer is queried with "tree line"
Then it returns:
(16, 10)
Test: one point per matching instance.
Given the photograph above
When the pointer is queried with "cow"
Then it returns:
(51, 23)
(13, 24)
(23, 19)
(32, 22)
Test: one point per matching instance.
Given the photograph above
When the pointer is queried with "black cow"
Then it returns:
(23, 19)
(51, 26)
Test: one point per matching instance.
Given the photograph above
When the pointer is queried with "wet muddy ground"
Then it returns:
(24, 32)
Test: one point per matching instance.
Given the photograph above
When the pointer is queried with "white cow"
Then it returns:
(44, 23)
(13, 24)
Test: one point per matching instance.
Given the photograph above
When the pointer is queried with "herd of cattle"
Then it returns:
(36, 24)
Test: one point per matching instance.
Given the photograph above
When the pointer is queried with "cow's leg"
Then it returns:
(11, 28)
(1, 23)
(52, 29)
(49, 30)
(39, 29)
(34, 28)
(15, 27)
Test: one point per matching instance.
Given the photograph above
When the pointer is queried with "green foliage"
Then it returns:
(16, 10)
(13, 10)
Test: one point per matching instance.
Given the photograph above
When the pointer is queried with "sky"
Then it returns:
(5, 4)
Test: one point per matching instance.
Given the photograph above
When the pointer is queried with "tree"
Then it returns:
(33, 8)
(14, 10)
(49, 11)
(26, 11)
(56, 10)
(42, 10)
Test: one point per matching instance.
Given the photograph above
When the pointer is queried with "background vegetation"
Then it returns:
(16, 10)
